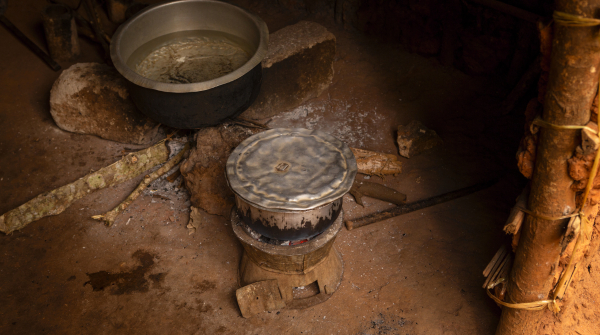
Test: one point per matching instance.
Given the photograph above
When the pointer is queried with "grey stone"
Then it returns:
(91, 98)
(298, 67)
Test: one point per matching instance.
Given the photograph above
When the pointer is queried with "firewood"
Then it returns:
(376, 163)
(110, 216)
(56, 201)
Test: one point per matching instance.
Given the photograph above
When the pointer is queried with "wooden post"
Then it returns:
(61, 32)
(571, 88)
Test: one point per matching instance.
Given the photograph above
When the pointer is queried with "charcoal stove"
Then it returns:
(289, 185)
(293, 266)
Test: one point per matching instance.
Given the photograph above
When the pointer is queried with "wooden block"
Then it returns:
(262, 296)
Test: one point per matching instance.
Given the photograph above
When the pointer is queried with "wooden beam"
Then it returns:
(571, 88)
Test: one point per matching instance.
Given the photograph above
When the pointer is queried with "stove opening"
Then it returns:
(307, 291)
(262, 238)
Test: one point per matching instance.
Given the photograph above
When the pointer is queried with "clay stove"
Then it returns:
(299, 265)
(289, 185)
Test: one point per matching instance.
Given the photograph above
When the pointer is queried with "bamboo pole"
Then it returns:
(571, 88)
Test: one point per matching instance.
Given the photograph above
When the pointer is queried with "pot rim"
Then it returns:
(238, 186)
(285, 210)
(129, 74)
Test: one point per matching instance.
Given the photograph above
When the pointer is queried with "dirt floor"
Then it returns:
(416, 274)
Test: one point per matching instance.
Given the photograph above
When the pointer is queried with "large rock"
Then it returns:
(204, 169)
(298, 67)
(91, 98)
(415, 138)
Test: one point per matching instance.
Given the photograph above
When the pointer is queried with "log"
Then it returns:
(61, 33)
(116, 9)
(90, 8)
(375, 163)
(56, 201)
(572, 85)
(376, 191)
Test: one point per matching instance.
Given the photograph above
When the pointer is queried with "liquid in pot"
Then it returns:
(190, 56)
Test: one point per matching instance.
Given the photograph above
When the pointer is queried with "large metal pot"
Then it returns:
(289, 183)
(197, 104)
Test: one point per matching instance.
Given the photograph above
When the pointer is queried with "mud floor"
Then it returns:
(416, 274)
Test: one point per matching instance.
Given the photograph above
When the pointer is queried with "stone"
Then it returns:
(92, 98)
(262, 296)
(297, 67)
(415, 138)
(204, 169)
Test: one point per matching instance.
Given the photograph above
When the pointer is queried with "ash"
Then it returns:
(163, 189)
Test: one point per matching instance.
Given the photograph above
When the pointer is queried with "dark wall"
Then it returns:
(472, 37)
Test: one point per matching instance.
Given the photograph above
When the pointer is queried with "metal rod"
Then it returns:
(29, 43)
(415, 206)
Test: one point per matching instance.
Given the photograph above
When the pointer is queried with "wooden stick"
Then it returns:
(496, 269)
(504, 274)
(415, 206)
(110, 216)
(376, 163)
(171, 178)
(376, 191)
(513, 223)
(29, 43)
(499, 253)
(56, 201)
(90, 8)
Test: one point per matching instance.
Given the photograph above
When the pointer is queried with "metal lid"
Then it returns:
(291, 169)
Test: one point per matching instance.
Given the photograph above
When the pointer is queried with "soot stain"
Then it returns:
(127, 282)
(157, 279)
(204, 286)
(202, 306)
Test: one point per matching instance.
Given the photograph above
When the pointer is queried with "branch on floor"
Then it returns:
(110, 216)
(58, 200)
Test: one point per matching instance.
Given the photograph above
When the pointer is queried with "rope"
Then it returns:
(547, 218)
(541, 123)
(572, 21)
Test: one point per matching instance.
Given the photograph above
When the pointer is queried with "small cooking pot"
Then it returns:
(199, 104)
(289, 183)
